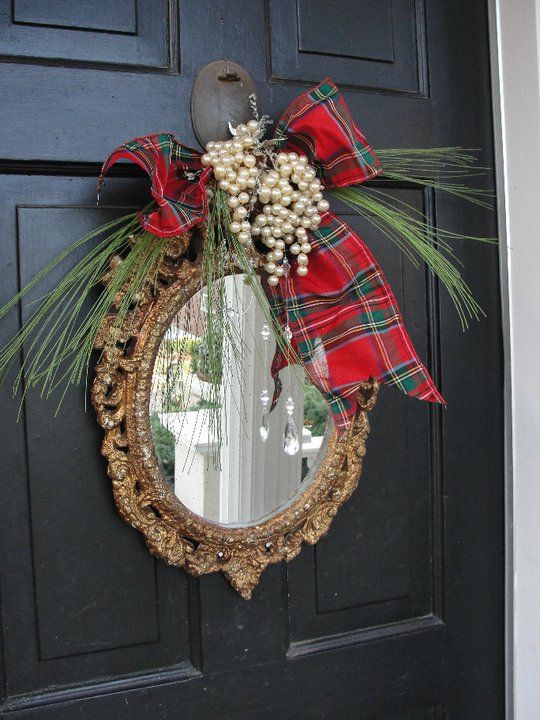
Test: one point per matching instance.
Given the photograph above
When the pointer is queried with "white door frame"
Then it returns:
(515, 42)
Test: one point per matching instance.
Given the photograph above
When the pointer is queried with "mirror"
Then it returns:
(225, 456)
(237, 504)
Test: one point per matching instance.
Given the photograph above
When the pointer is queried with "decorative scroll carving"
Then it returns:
(121, 396)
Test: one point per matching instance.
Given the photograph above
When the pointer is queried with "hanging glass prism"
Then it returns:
(265, 420)
(291, 442)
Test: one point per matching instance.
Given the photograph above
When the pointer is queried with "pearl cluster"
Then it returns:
(276, 205)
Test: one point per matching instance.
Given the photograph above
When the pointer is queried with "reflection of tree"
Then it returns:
(164, 446)
(315, 410)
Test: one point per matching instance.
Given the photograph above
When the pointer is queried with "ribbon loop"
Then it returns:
(171, 166)
(318, 124)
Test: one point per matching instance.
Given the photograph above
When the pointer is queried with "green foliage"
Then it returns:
(315, 410)
(201, 363)
(164, 446)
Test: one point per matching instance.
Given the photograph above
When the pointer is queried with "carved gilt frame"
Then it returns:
(121, 396)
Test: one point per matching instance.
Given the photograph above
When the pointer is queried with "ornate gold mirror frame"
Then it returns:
(121, 397)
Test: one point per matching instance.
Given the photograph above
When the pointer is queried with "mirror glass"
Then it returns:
(227, 458)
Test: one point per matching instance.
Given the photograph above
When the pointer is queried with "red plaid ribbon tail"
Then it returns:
(178, 182)
(346, 325)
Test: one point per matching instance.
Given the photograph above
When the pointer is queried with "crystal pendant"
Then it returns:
(288, 337)
(265, 420)
(291, 443)
(265, 425)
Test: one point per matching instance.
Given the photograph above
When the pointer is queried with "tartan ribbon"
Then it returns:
(178, 182)
(345, 322)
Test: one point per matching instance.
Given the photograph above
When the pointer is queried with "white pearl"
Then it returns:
(314, 186)
(266, 232)
(243, 198)
(299, 207)
(283, 184)
(287, 227)
(323, 205)
(270, 241)
(227, 160)
(315, 220)
(240, 213)
(302, 185)
(244, 237)
(300, 232)
(282, 157)
(276, 194)
(261, 220)
(273, 280)
(285, 170)
(270, 267)
(251, 182)
(270, 257)
(220, 171)
(302, 159)
(280, 245)
(269, 180)
(237, 146)
(286, 200)
(289, 238)
(233, 202)
(305, 247)
(276, 207)
(247, 141)
(264, 195)
(234, 189)
(255, 230)
(301, 270)
(211, 145)
(267, 210)
(302, 259)
(305, 221)
(253, 125)
(235, 227)
(253, 171)
(309, 174)
(238, 158)
(224, 184)
(278, 254)
(250, 161)
(206, 160)
(317, 197)
(295, 249)
(279, 271)
(310, 210)
(231, 175)
(295, 178)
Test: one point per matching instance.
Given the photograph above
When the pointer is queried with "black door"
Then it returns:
(398, 613)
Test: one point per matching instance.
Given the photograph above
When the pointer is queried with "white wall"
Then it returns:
(517, 29)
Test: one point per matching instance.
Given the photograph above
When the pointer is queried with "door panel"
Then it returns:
(398, 613)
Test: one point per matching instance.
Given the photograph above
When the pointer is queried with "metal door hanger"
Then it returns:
(220, 96)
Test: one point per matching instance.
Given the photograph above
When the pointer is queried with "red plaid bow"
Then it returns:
(345, 323)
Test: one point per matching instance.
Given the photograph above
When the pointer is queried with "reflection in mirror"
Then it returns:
(226, 457)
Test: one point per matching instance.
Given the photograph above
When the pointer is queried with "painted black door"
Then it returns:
(398, 613)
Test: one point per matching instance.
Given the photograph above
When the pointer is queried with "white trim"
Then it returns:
(516, 82)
